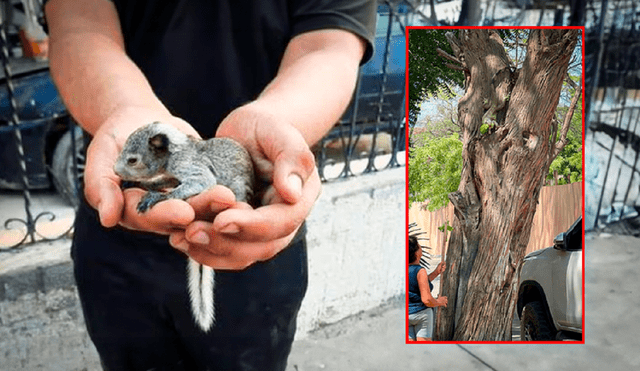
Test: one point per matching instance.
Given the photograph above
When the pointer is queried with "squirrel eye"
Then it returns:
(132, 161)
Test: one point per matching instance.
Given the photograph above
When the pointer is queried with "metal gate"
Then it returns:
(612, 141)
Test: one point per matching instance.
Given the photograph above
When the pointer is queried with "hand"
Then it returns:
(441, 267)
(442, 301)
(102, 185)
(239, 235)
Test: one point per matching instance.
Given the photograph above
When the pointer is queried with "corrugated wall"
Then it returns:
(558, 208)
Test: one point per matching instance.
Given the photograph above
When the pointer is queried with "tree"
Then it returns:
(503, 171)
(428, 74)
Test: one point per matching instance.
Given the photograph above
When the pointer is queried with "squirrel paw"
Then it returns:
(149, 200)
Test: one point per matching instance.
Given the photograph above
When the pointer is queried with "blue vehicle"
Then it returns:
(380, 93)
(44, 127)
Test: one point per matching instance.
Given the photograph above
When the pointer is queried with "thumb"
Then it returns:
(291, 171)
(101, 185)
(110, 203)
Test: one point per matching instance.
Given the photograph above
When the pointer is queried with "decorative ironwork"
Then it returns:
(612, 132)
(14, 121)
(606, 22)
(350, 132)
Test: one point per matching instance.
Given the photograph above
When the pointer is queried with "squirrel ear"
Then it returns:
(159, 144)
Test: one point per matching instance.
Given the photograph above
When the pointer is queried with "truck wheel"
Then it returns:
(64, 179)
(534, 324)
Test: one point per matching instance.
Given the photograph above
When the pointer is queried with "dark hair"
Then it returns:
(413, 248)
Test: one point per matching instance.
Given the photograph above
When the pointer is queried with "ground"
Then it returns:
(375, 340)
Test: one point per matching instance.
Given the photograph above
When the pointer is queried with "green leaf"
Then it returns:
(434, 171)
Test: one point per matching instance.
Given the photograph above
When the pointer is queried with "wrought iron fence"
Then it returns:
(38, 134)
(612, 145)
(371, 135)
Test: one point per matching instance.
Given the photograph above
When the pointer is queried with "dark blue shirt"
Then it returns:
(415, 300)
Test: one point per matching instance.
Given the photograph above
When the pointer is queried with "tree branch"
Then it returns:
(570, 82)
(448, 56)
(454, 67)
(567, 123)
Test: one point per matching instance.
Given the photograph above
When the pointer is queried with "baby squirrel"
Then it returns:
(170, 164)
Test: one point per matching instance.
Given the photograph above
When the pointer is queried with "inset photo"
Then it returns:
(495, 190)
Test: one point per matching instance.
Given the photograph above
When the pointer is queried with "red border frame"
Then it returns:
(407, 31)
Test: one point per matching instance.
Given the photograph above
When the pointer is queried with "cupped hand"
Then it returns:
(443, 301)
(239, 235)
(102, 185)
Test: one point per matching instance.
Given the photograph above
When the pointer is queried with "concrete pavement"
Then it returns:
(375, 340)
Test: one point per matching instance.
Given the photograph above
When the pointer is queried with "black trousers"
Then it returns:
(133, 291)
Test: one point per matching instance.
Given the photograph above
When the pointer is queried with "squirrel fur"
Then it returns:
(170, 164)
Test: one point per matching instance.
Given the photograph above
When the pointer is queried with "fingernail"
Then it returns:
(295, 183)
(230, 228)
(200, 238)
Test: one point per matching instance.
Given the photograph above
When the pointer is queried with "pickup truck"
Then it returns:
(550, 300)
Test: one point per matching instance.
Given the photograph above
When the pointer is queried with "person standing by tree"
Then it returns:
(421, 301)
(510, 135)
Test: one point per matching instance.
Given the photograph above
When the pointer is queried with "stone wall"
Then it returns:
(356, 259)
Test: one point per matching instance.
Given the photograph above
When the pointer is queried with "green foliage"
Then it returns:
(434, 171)
(428, 75)
(568, 163)
(484, 128)
(444, 228)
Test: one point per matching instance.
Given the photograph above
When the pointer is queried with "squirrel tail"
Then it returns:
(201, 283)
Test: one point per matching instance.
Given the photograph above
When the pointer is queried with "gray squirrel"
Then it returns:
(170, 164)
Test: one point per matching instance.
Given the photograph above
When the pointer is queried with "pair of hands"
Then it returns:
(212, 227)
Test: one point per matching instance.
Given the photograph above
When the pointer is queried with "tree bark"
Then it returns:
(504, 169)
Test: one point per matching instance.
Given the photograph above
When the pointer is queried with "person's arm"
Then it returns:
(425, 291)
(436, 272)
(109, 97)
(312, 89)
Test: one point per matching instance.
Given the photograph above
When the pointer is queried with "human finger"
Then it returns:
(219, 251)
(292, 161)
(270, 222)
(211, 202)
(162, 218)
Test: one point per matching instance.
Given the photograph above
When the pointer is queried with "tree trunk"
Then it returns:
(504, 168)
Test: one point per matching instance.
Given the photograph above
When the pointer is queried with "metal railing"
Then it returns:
(612, 141)
(371, 135)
